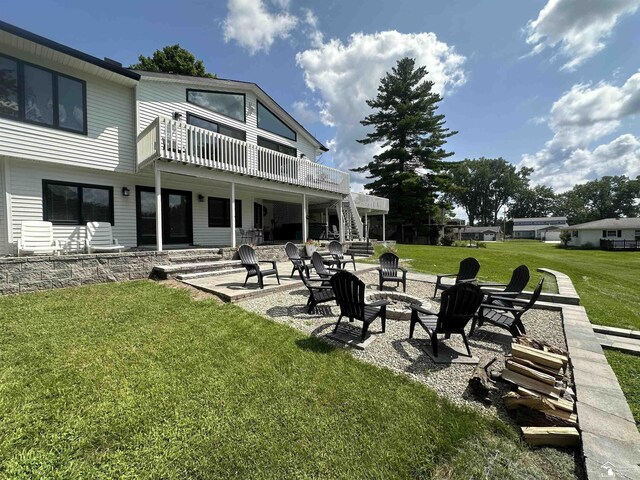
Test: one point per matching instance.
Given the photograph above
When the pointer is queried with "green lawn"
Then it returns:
(134, 380)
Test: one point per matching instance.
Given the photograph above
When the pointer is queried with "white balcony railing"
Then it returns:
(370, 202)
(178, 141)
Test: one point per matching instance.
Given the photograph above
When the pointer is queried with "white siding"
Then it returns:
(110, 140)
(156, 98)
(591, 238)
(3, 214)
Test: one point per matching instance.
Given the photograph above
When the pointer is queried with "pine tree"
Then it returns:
(172, 59)
(410, 172)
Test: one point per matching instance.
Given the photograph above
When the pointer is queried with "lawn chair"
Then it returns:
(458, 306)
(318, 292)
(467, 272)
(335, 250)
(100, 238)
(519, 279)
(293, 254)
(334, 233)
(349, 291)
(36, 238)
(249, 261)
(504, 314)
(389, 270)
(321, 269)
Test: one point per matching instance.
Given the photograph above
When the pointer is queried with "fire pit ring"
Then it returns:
(399, 307)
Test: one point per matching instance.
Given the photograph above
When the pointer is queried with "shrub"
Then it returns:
(481, 244)
(446, 240)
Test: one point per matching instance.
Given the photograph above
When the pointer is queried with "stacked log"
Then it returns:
(541, 398)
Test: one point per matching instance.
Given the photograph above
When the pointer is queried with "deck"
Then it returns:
(618, 245)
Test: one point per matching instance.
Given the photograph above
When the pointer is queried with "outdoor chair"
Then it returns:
(293, 254)
(334, 233)
(100, 238)
(390, 271)
(36, 238)
(467, 272)
(519, 279)
(505, 314)
(335, 250)
(319, 291)
(249, 261)
(320, 267)
(349, 291)
(458, 305)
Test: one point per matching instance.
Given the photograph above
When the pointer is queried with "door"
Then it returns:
(177, 216)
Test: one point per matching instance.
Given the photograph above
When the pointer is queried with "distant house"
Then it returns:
(610, 233)
(533, 228)
(485, 234)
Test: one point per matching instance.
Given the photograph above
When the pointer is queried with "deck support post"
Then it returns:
(158, 185)
(384, 228)
(326, 223)
(340, 221)
(305, 218)
(366, 227)
(232, 206)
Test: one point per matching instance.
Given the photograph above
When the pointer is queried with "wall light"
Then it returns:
(201, 198)
(125, 191)
(177, 116)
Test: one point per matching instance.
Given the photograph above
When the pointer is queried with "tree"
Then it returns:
(410, 169)
(484, 186)
(172, 59)
(539, 201)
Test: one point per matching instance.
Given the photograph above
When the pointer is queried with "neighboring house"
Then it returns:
(608, 230)
(486, 234)
(531, 228)
(84, 139)
(550, 233)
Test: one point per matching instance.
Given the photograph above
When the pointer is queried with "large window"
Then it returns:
(216, 127)
(76, 204)
(268, 121)
(220, 212)
(278, 147)
(225, 103)
(38, 95)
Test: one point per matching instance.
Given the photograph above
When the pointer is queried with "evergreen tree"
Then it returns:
(172, 59)
(410, 170)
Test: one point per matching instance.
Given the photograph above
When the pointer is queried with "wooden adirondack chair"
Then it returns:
(458, 306)
(36, 238)
(100, 238)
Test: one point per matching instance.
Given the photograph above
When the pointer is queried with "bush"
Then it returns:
(481, 244)
(388, 248)
(447, 241)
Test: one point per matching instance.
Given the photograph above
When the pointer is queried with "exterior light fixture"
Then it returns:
(177, 116)
(125, 191)
(200, 198)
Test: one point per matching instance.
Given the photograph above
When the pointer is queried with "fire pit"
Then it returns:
(399, 307)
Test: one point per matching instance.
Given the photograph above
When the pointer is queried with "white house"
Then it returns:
(533, 228)
(166, 159)
(608, 233)
(487, 234)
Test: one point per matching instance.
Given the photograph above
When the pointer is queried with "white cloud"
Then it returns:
(312, 30)
(345, 75)
(582, 116)
(303, 113)
(579, 27)
(249, 23)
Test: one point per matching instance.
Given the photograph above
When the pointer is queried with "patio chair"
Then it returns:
(249, 261)
(335, 250)
(244, 235)
(519, 279)
(293, 254)
(320, 267)
(349, 291)
(467, 272)
(458, 306)
(319, 292)
(334, 233)
(100, 238)
(390, 271)
(36, 238)
(505, 314)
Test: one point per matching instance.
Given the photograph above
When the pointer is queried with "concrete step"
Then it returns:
(204, 257)
(174, 269)
(624, 344)
(209, 273)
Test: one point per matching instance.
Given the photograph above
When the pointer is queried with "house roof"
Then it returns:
(608, 223)
(226, 83)
(540, 219)
(481, 229)
(110, 66)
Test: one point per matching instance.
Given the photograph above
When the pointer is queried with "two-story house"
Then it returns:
(168, 160)
(540, 228)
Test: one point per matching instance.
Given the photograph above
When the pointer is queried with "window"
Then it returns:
(220, 212)
(278, 147)
(76, 204)
(228, 104)
(216, 127)
(42, 96)
(269, 122)
(611, 233)
(637, 235)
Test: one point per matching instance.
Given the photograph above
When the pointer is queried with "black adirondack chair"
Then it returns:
(319, 291)
(467, 272)
(340, 259)
(458, 306)
(519, 279)
(320, 267)
(390, 271)
(249, 261)
(505, 314)
(349, 291)
(294, 256)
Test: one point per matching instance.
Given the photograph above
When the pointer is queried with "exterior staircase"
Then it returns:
(361, 249)
(353, 226)
(191, 270)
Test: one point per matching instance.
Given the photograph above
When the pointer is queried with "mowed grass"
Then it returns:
(627, 368)
(135, 380)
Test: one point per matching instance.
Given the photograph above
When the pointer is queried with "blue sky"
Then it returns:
(553, 85)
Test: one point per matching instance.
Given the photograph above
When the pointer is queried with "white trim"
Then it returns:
(7, 202)
(158, 186)
(305, 220)
(232, 206)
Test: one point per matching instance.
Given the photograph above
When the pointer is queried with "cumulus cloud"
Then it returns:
(578, 27)
(312, 30)
(345, 75)
(304, 113)
(255, 28)
(579, 118)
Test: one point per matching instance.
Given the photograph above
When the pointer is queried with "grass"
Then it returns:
(627, 367)
(135, 380)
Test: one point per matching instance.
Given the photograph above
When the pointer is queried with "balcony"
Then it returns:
(370, 202)
(177, 141)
